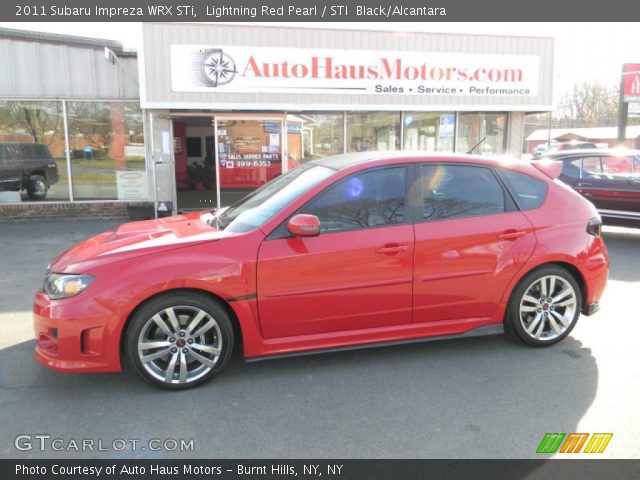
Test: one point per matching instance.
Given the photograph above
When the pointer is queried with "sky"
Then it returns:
(584, 52)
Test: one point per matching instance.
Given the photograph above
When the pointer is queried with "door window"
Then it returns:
(591, 167)
(617, 168)
(459, 191)
(364, 200)
(572, 168)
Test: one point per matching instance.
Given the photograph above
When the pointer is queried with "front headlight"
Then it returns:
(59, 285)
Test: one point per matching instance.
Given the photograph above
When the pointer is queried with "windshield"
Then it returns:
(262, 204)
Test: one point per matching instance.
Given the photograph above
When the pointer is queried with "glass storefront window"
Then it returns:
(249, 154)
(107, 151)
(428, 132)
(368, 131)
(323, 135)
(32, 152)
(295, 155)
(473, 127)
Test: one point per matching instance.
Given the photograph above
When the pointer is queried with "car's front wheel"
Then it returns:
(179, 340)
(544, 307)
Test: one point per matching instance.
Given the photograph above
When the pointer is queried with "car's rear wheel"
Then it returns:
(179, 340)
(544, 307)
(37, 187)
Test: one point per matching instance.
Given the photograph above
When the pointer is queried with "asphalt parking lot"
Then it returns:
(470, 398)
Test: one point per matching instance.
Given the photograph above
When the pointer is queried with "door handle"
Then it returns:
(511, 234)
(391, 248)
(584, 184)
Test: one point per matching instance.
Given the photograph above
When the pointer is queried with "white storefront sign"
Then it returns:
(634, 110)
(131, 185)
(202, 68)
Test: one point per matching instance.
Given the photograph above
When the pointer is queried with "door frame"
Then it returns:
(215, 116)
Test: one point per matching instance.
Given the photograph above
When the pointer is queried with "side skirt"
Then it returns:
(493, 329)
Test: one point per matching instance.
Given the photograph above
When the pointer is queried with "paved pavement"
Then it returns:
(471, 398)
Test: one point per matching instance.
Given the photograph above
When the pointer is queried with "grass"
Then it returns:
(96, 178)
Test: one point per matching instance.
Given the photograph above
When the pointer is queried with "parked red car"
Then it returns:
(609, 178)
(348, 251)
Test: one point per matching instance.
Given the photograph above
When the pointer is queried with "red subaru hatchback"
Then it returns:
(348, 251)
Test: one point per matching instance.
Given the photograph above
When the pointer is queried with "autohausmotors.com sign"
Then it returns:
(198, 68)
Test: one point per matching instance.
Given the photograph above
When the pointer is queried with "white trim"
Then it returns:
(153, 165)
(174, 190)
(344, 132)
(69, 99)
(216, 156)
(142, 75)
(293, 108)
(284, 143)
(619, 213)
(67, 149)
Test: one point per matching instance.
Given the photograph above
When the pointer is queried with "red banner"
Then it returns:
(631, 73)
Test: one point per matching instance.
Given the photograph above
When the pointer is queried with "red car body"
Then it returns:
(300, 294)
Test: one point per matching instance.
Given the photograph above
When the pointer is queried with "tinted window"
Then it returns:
(617, 168)
(528, 192)
(369, 199)
(459, 191)
(32, 151)
(591, 167)
(571, 168)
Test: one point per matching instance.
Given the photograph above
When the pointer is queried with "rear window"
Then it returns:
(527, 191)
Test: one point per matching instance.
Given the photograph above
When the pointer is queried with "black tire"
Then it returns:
(180, 348)
(37, 187)
(543, 323)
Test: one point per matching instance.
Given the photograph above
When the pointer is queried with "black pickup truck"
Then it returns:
(27, 166)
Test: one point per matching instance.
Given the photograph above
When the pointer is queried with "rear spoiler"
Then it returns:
(550, 168)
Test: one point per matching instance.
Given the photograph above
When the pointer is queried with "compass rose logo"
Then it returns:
(218, 68)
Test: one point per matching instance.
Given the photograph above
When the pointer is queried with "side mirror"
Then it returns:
(303, 225)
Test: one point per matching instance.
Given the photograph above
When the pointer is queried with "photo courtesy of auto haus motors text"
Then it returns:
(263, 69)
(239, 470)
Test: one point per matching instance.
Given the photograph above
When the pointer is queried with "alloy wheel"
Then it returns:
(180, 344)
(548, 308)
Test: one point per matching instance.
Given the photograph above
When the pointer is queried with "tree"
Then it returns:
(590, 104)
(41, 120)
(92, 122)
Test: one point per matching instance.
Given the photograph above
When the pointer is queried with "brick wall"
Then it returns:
(68, 211)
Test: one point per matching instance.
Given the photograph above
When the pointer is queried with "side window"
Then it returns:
(591, 167)
(459, 191)
(528, 192)
(617, 168)
(370, 199)
(571, 168)
(40, 151)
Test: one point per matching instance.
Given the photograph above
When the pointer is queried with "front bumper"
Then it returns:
(75, 335)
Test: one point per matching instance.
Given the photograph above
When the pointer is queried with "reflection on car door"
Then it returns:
(469, 245)
(10, 167)
(356, 274)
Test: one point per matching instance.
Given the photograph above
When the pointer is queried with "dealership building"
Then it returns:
(204, 113)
